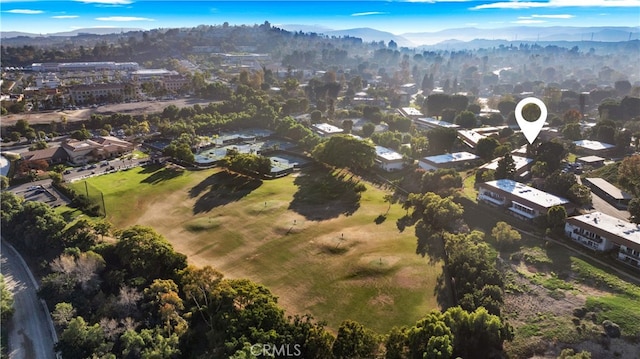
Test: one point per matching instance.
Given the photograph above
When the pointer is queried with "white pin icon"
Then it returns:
(531, 129)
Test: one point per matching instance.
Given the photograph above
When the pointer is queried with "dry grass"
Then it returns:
(344, 267)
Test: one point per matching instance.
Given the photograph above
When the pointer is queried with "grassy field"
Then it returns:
(321, 246)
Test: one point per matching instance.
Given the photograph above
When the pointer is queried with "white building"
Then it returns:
(521, 163)
(447, 160)
(388, 160)
(430, 122)
(326, 130)
(521, 200)
(593, 147)
(601, 232)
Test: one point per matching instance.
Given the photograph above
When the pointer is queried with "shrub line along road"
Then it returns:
(31, 331)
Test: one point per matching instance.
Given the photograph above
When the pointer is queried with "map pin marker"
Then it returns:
(531, 129)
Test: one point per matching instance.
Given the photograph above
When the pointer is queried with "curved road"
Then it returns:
(30, 328)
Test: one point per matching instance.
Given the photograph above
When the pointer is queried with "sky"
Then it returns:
(397, 17)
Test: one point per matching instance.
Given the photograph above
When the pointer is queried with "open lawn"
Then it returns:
(321, 245)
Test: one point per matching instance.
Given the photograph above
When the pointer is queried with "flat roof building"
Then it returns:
(389, 160)
(447, 160)
(601, 232)
(470, 137)
(593, 147)
(521, 163)
(521, 200)
(326, 130)
(410, 112)
(608, 192)
(593, 161)
(430, 122)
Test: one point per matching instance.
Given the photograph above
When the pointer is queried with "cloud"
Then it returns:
(124, 18)
(25, 11)
(528, 21)
(555, 16)
(368, 13)
(65, 17)
(557, 3)
(106, 2)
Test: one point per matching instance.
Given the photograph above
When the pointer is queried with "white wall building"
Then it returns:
(601, 232)
(521, 200)
(447, 160)
(388, 160)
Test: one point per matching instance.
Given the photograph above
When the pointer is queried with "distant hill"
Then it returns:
(319, 29)
(369, 35)
(92, 31)
(527, 33)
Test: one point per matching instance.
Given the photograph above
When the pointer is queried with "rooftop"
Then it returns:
(525, 192)
(387, 154)
(327, 128)
(451, 157)
(410, 111)
(589, 159)
(609, 188)
(517, 160)
(623, 229)
(593, 145)
(430, 121)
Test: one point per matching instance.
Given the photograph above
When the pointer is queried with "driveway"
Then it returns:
(31, 334)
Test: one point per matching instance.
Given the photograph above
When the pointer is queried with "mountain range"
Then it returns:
(460, 37)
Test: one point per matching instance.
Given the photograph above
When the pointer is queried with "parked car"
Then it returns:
(66, 172)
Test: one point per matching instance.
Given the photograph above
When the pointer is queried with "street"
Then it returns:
(30, 329)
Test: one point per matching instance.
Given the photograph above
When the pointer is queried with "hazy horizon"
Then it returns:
(396, 17)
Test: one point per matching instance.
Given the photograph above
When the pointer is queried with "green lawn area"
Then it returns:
(318, 245)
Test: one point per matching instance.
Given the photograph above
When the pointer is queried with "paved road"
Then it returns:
(30, 332)
(600, 205)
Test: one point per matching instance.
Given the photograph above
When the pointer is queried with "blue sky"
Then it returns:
(392, 16)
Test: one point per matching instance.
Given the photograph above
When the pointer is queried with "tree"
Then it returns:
(346, 151)
(165, 306)
(430, 338)
(556, 217)
(6, 303)
(316, 116)
(571, 116)
(629, 174)
(486, 147)
(354, 341)
(441, 140)
(506, 106)
(634, 210)
(505, 235)
(81, 340)
(579, 194)
(63, 314)
(367, 129)
(4, 182)
(506, 168)
(466, 119)
(143, 252)
(571, 131)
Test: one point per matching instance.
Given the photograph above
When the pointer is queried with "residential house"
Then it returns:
(601, 232)
(326, 130)
(388, 160)
(520, 200)
(447, 160)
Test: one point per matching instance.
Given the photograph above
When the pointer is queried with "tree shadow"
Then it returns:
(380, 219)
(323, 195)
(151, 168)
(163, 175)
(220, 189)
